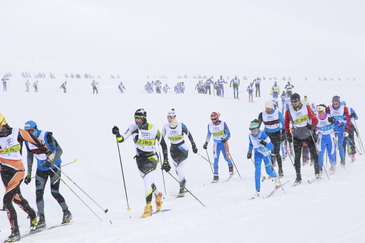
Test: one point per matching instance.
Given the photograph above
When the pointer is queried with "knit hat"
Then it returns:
(171, 112)
(2, 120)
(140, 113)
(321, 107)
(336, 98)
(269, 105)
(295, 97)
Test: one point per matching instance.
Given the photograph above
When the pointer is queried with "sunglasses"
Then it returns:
(294, 101)
(213, 119)
(254, 130)
(335, 103)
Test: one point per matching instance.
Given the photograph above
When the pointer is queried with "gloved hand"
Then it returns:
(331, 119)
(28, 178)
(345, 134)
(48, 164)
(50, 156)
(195, 149)
(309, 126)
(289, 139)
(282, 137)
(166, 166)
(224, 140)
(249, 155)
(262, 142)
(205, 145)
(115, 131)
(352, 115)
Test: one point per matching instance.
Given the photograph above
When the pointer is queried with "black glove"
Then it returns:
(289, 139)
(331, 119)
(249, 155)
(115, 131)
(311, 127)
(48, 164)
(195, 149)
(352, 115)
(205, 145)
(224, 140)
(262, 142)
(166, 166)
(28, 178)
(282, 137)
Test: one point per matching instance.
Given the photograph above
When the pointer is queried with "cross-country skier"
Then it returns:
(273, 121)
(275, 91)
(221, 135)
(236, 83)
(63, 86)
(12, 173)
(121, 87)
(250, 92)
(145, 136)
(325, 137)
(94, 85)
(261, 144)
(44, 170)
(340, 113)
(289, 88)
(350, 140)
(303, 121)
(220, 83)
(208, 84)
(174, 131)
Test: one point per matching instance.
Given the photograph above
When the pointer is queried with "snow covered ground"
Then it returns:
(331, 210)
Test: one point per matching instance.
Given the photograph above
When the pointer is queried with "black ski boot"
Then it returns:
(14, 236)
(42, 221)
(67, 216)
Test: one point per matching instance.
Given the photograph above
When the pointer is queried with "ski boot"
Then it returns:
(215, 178)
(257, 194)
(14, 236)
(230, 169)
(298, 180)
(277, 182)
(182, 189)
(33, 221)
(147, 211)
(67, 216)
(42, 221)
(158, 198)
(281, 173)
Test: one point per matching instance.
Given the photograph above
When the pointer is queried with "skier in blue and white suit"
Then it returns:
(174, 131)
(261, 144)
(325, 137)
(221, 135)
(340, 113)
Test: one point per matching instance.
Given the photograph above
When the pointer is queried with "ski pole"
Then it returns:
(163, 177)
(205, 159)
(121, 166)
(272, 167)
(59, 177)
(234, 164)
(66, 164)
(105, 210)
(181, 184)
(362, 146)
(211, 168)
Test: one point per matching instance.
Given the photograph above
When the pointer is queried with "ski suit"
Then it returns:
(236, 83)
(274, 128)
(350, 140)
(12, 170)
(325, 140)
(146, 154)
(262, 153)
(275, 90)
(300, 117)
(340, 114)
(178, 150)
(44, 172)
(219, 132)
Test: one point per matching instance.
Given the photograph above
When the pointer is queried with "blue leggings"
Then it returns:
(268, 167)
(218, 148)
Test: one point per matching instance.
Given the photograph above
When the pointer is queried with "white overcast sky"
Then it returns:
(119, 31)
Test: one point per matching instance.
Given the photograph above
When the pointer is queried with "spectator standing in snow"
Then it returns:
(145, 135)
(221, 135)
(45, 170)
(257, 82)
(4, 80)
(174, 131)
